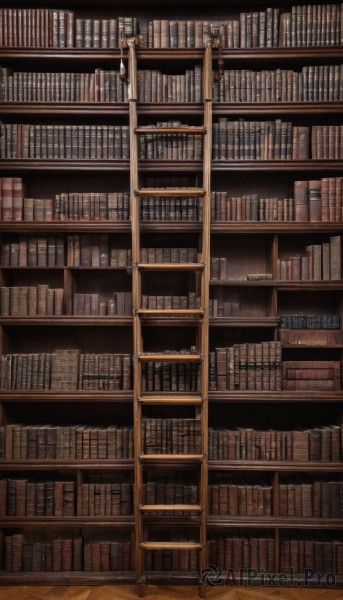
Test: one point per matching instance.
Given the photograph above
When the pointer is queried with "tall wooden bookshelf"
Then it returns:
(254, 314)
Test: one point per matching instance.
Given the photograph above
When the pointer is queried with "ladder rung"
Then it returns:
(171, 266)
(193, 192)
(166, 400)
(171, 546)
(170, 507)
(173, 358)
(171, 457)
(165, 312)
(162, 130)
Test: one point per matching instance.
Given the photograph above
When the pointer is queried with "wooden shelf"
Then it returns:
(244, 321)
(265, 465)
(67, 578)
(242, 283)
(189, 130)
(168, 165)
(68, 522)
(189, 313)
(305, 166)
(170, 507)
(170, 458)
(284, 285)
(65, 227)
(170, 358)
(33, 164)
(170, 108)
(91, 396)
(170, 226)
(170, 546)
(171, 266)
(72, 321)
(70, 465)
(217, 227)
(239, 54)
(276, 54)
(65, 108)
(171, 399)
(276, 108)
(166, 192)
(293, 227)
(266, 396)
(255, 522)
(290, 286)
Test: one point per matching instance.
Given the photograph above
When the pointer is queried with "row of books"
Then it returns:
(70, 142)
(242, 552)
(320, 83)
(169, 255)
(107, 556)
(315, 83)
(224, 302)
(25, 552)
(25, 498)
(50, 28)
(170, 489)
(232, 140)
(311, 25)
(219, 268)
(318, 499)
(326, 142)
(308, 25)
(322, 262)
(171, 436)
(314, 200)
(170, 146)
(66, 370)
(100, 86)
(311, 375)
(311, 499)
(96, 250)
(310, 321)
(32, 251)
(170, 209)
(319, 555)
(79, 442)
(120, 303)
(170, 377)
(246, 367)
(170, 302)
(92, 206)
(296, 555)
(106, 499)
(86, 250)
(318, 200)
(240, 500)
(38, 442)
(317, 444)
(23, 301)
(155, 86)
(250, 208)
(261, 140)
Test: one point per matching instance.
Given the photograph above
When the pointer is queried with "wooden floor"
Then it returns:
(121, 592)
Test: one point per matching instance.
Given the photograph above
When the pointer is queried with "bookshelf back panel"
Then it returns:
(309, 302)
(241, 261)
(93, 340)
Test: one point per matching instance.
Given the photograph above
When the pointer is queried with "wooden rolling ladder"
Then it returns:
(200, 316)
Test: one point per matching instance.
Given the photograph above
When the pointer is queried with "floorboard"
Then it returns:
(128, 592)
